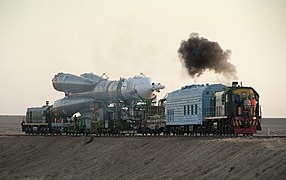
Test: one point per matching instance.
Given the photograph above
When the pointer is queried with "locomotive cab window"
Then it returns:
(252, 95)
(243, 95)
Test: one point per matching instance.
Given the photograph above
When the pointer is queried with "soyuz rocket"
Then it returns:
(88, 88)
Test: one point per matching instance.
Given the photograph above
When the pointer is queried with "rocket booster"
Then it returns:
(89, 88)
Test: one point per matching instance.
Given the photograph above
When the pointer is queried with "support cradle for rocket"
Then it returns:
(86, 89)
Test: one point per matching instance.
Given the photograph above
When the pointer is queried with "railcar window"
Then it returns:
(188, 110)
(184, 110)
(196, 109)
(192, 109)
(170, 113)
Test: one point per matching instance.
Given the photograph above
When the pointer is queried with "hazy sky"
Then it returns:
(123, 38)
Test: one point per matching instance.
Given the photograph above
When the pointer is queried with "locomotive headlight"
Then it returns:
(254, 118)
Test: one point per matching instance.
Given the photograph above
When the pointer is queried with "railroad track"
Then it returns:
(150, 136)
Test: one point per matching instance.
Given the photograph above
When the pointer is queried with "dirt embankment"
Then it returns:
(141, 158)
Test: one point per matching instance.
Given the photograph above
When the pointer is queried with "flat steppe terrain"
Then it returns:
(66, 157)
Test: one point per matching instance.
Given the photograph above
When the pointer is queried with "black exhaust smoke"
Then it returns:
(199, 54)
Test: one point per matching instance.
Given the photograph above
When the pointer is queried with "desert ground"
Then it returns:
(65, 157)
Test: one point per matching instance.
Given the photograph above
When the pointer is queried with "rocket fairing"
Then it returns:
(88, 88)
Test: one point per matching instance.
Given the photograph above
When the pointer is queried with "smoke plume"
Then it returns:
(199, 54)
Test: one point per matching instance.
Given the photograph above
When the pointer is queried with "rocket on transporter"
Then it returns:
(86, 89)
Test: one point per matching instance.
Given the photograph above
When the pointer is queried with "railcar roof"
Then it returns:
(193, 90)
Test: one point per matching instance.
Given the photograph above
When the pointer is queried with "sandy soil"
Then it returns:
(273, 126)
(38, 157)
(46, 157)
(10, 124)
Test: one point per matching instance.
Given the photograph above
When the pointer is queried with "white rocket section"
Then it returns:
(81, 91)
(69, 83)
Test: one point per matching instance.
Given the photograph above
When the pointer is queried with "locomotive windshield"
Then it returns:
(243, 100)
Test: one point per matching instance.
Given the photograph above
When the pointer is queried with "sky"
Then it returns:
(39, 38)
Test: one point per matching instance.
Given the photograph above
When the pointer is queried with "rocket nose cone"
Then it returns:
(55, 81)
